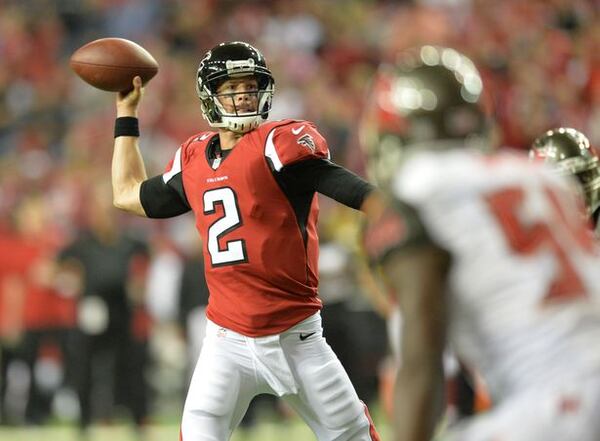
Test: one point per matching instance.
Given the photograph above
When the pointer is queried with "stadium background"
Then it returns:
(541, 67)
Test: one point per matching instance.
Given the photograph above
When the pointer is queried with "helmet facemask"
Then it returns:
(569, 152)
(590, 181)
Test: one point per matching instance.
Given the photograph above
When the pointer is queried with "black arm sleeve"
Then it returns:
(327, 178)
(162, 200)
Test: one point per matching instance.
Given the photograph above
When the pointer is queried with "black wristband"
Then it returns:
(127, 126)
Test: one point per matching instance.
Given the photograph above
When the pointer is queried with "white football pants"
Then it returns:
(567, 412)
(297, 365)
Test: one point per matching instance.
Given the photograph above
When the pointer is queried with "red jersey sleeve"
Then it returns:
(294, 142)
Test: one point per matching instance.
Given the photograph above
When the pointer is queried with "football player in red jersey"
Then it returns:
(252, 186)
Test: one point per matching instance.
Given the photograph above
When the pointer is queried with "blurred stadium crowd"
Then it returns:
(540, 63)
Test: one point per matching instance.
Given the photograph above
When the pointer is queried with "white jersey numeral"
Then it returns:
(235, 250)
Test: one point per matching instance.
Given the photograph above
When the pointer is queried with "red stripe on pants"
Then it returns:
(372, 430)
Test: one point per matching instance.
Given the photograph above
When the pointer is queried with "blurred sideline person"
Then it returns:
(108, 270)
(486, 251)
(569, 151)
(252, 187)
(192, 302)
(346, 316)
(36, 319)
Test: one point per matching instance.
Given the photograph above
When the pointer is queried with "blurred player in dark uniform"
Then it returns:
(107, 267)
(570, 152)
(252, 187)
(486, 252)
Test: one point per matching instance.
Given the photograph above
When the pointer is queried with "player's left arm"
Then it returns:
(128, 170)
(416, 270)
(300, 154)
(332, 180)
(418, 277)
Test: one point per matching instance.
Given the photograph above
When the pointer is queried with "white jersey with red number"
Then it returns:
(525, 276)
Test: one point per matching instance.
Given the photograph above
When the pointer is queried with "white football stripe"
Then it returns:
(271, 152)
(175, 168)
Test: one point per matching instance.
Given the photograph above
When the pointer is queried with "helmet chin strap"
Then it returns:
(238, 123)
(241, 124)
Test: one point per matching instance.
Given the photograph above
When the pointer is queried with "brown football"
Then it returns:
(111, 63)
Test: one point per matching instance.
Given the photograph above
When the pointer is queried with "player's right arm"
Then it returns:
(128, 170)
(161, 196)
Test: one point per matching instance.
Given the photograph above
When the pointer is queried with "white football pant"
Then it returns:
(297, 365)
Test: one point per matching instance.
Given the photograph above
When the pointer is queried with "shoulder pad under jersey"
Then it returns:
(293, 141)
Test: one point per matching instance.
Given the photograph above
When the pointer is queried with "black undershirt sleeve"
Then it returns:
(327, 178)
(163, 200)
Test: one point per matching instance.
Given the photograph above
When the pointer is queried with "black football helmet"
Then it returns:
(233, 60)
(570, 152)
(430, 98)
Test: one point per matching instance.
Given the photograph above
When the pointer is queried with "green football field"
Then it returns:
(294, 430)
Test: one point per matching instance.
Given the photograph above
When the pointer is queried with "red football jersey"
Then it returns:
(260, 245)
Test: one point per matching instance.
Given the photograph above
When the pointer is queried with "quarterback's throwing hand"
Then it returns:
(127, 102)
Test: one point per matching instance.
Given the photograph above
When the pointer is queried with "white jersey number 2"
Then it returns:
(235, 250)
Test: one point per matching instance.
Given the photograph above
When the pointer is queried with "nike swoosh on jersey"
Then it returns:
(298, 130)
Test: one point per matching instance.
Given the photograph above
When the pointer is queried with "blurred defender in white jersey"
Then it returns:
(488, 252)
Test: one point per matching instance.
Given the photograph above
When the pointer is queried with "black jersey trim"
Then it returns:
(214, 151)
(301, 180)
(301, 202)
